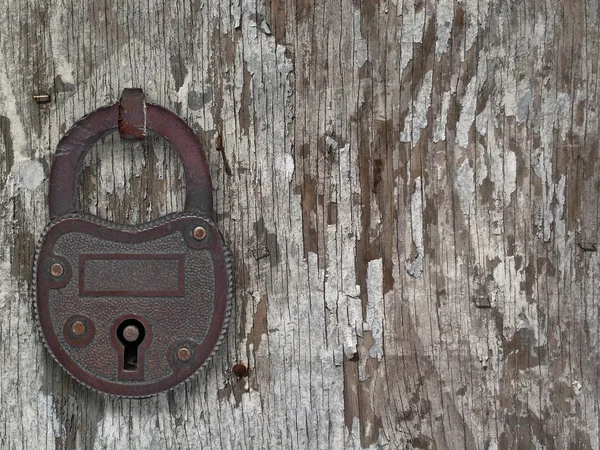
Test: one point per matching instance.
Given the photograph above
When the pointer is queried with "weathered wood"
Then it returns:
(409, 190)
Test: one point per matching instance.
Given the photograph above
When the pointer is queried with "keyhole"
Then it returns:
(131, 333)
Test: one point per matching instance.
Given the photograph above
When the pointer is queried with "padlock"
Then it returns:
(131, 310)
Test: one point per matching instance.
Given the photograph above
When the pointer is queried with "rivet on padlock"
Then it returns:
(131, 310)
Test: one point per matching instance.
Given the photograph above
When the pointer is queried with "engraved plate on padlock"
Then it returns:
(131, 310)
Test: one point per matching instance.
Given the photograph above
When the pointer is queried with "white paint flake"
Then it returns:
(524, 100)
(360, 44)
(415, 266)
(28, 174)
(564, 105)
(412, 128)
(62, 65)
(465, 185)
(482, 121)
(439, 133)
(11, 110)
(55, 428)
(374, 322)
(467, 114)
(443, 29)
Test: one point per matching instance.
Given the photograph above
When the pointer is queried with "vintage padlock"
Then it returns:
(131, 310)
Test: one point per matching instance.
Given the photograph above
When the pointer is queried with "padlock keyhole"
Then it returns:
(131, 333)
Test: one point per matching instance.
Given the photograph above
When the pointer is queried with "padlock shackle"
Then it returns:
(73, 147)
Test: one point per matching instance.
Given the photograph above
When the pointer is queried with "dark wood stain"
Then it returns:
(244, 108)
(7, 144)
(308, 193)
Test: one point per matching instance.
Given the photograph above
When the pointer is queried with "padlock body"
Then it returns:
(96, 283)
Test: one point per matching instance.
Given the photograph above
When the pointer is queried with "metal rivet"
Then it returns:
(240, 370)
(56, 270)
(131, 333)
(199, 233)
(184, 354)
(78, 328)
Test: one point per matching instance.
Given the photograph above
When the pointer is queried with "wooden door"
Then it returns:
(409, 190)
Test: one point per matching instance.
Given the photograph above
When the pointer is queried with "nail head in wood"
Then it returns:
(240, 370)
(41, 99)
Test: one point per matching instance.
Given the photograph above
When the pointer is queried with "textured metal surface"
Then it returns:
(131, 310)
(132, 275)
(195, 319)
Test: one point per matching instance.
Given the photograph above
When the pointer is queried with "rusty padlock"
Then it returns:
(131, 310)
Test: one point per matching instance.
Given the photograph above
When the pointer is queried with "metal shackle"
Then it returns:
(132, 116)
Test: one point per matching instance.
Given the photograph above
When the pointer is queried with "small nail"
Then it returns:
(40, 99)
(483, 302)
(240, 370)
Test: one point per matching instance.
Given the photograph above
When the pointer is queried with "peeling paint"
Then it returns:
(288, 167)
(360, 45)
(440, 124)
(494, 180)
(564, 105)
(412, 129)
(524, 100)
(63, 67)
(28, 174)
(483, 119)
(444, 21)
(10, 109)
(415, 266)
(467, 114)
(465, 186)
(374, 322)
(342, 294)
(55, 427)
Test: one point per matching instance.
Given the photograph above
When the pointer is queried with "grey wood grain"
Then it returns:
(409, 190)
